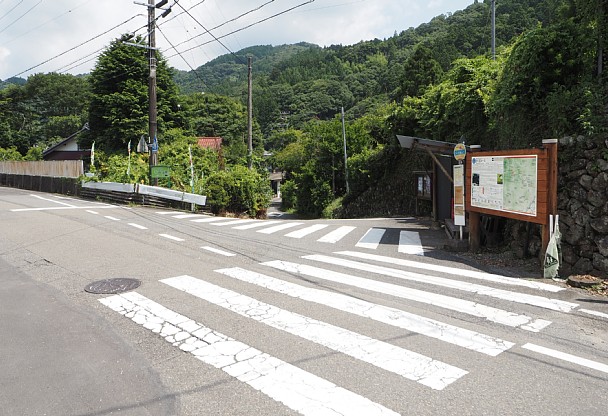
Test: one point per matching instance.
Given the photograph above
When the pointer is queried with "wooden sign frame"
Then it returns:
(546, 191)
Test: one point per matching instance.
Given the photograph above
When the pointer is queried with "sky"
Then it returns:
(66, 36)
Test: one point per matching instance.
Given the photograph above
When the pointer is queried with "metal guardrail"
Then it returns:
(139, 192)
(122, 193)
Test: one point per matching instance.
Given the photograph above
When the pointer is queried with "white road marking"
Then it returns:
(465, 338)
(297, 389)
(255, 224)
(54, 201)
(408, 364)
(234, 222)
(595, 313)
(141, 227)
(60, 208)
(184, 216)
(280, 227)
(209, 219)
(534, 300)
(409, 243)
(371, 239)
(567, 357)
(170, 237)
(496, 278)
(92, 212)
(111, 218)
(306, 231)
(446, 302)
(336, 235)
(218, 251)
(169, 212)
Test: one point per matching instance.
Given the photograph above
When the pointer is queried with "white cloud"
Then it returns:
(54, 28)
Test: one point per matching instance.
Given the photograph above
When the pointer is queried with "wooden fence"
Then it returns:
(51, 168)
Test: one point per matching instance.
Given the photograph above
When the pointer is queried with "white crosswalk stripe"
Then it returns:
(337, 234)
(297, 389)
(409, 241)
(408, 364)
(280, 227)
(456, 304)
(306, 231)
(308, 393)
(372, 238)
(448, 333)
(534, 300)
(489, 277)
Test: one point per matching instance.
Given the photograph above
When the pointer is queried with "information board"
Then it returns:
(505, 183)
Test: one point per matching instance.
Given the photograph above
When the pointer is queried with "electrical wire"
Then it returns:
(14, 7)
(212, 35)
(184, 59)
(21, 17)
(225, 23)
(47, 22)
(248, 26)
(77, 46)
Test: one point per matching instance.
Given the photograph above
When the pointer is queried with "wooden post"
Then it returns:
(550, 146)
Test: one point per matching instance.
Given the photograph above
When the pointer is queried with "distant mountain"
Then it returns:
(13, 80)
(226, 74)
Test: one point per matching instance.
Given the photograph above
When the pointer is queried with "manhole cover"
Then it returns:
(112, 286)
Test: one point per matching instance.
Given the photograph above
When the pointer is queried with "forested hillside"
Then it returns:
(437, 81)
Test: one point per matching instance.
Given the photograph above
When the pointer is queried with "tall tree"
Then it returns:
(119, 85)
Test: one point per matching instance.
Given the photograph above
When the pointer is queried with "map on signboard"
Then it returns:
(505, 183)
(519, 193)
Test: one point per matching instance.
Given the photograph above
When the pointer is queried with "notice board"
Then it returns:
(510, 184)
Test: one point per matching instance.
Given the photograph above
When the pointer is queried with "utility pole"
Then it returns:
(249, 114)
(494, 29)
(152, 111)
(345, 155)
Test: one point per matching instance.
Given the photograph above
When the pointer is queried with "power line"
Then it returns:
(184, 59)
(77, 46)
(248, 26)
(20, 17)
(229, 21)
(13, 8)
(214, 37)
(47, 22)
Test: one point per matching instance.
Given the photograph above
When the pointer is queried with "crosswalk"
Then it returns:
(409, 241)
(310, 280)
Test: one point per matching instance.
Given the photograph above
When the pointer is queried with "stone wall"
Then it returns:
(583, 206)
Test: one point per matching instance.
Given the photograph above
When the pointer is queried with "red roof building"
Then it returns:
(214, 143)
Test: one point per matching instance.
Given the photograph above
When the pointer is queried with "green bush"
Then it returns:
(288, 195)
(239, 191)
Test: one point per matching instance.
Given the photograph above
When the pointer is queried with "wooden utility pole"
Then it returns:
(152, 123)
(249, 114)
(493, 29)
(345, 154)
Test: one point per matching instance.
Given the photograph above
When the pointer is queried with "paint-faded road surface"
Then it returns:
(277, 317)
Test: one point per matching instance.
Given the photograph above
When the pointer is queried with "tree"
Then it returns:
(119, 86)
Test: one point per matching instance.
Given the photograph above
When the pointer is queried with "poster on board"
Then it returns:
(505, 183)
(459, 211)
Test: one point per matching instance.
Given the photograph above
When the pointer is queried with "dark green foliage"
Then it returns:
(119, 105)
(45, 109)
(238, 190)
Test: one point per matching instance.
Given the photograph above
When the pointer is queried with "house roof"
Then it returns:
(214, 143)
(56, 147)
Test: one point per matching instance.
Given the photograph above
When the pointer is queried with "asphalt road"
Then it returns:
(278, 317)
